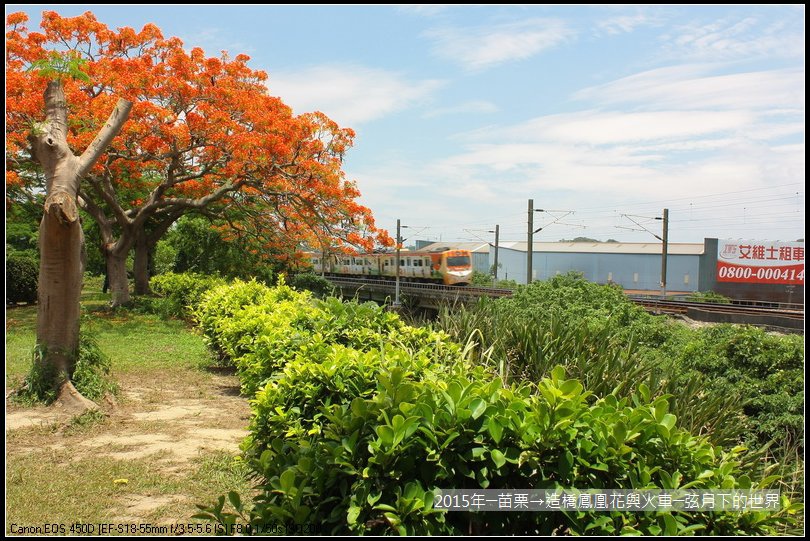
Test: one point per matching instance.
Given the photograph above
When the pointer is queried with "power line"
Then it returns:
(698, 196)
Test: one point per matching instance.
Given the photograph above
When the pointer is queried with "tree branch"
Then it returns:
(111, 128)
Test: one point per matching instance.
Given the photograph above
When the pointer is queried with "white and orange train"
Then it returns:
(446, 266)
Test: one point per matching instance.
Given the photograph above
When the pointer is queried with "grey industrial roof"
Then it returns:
(481, 247)
(674, 248)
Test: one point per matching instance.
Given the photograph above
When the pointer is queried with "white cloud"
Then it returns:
(473, 106)
(728, 39)
(692, 86)
(614, 127)
(665, 135)
(622, 24)
(349, 94)
(481, 47)
(600, 175)
(690, 132)
(489, 182)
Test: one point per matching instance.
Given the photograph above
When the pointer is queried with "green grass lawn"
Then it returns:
(52, 476)
(135, 342)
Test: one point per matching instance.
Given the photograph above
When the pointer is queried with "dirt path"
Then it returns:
(168, 424)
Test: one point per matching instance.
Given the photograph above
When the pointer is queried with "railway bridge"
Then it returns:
(412, 294)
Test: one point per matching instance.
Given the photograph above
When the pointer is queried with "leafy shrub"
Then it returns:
(370, 464)
(91, 374)
(260, 329)
(486, 280)
(178, 293)
(612, 345)
(359, 418)
(355, 324)
(601, 338)
(218, 305)
(319, 286)
(765, 371)
(260, 338)
(293, 401)
(708, 296)
(42, 382)
(481, 279)
(22, 279)
(197, 244)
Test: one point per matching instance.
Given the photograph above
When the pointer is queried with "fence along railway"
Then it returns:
(784, 318)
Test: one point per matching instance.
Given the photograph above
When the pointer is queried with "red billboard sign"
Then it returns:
(760, 262)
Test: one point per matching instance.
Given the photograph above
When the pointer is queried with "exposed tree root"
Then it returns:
(72, 400)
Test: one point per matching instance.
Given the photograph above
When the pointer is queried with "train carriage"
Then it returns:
(447, 266)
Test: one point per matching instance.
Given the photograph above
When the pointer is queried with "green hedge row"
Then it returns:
(359, 418)
(179, 293)
(22, 279)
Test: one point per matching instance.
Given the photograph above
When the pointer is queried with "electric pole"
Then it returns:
(396, 288)
(664, 248)
(530, 246)
(497, 231)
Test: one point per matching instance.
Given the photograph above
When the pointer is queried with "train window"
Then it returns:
(386, 262)
(458, 261)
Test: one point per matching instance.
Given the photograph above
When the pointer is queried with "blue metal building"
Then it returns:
(634, 266)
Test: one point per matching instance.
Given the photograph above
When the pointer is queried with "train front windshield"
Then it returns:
(458, 261)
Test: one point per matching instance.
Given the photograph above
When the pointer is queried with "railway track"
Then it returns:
(683, 307)
(778, 318)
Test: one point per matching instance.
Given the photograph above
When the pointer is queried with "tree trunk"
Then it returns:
(145, 244)
(118, 279)
(141, 267)
(115, 257)
(60, 242)
(60, 284)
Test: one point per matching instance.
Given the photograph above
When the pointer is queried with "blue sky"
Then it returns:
(464, 113)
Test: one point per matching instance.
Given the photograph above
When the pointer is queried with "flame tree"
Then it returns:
(204, 135)
(60, 233)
